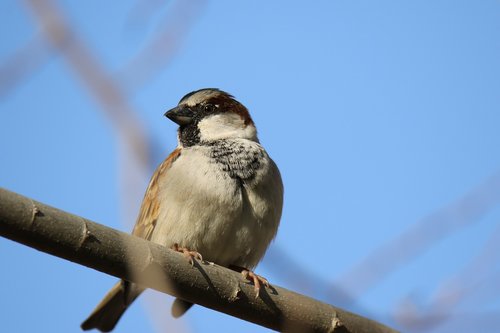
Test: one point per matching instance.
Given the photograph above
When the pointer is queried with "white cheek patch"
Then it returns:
(224, 126)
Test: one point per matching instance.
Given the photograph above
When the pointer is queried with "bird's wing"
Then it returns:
(148, 214)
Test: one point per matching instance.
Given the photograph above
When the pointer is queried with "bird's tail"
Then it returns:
(111, 308)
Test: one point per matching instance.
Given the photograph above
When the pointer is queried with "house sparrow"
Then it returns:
(218, 194)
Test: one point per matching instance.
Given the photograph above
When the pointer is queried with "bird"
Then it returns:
(218, 197)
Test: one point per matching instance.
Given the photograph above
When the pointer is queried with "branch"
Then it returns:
(393, 254)
(164, 44)
(59, 32)
(116, 253)
(22, 63)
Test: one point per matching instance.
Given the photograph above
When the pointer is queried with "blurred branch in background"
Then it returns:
(113, 252)
(471, 322)
(400, 251)
(164, 44)
(478, 280)
(298, 278)
(23, 63)
(56, 29)
(464, 321)
(143, 12)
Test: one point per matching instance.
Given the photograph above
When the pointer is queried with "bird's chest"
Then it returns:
(217, 171)
(239, 161)
(211, 200)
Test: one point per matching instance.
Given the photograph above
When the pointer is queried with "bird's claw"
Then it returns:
(190, 255)
(256, 279)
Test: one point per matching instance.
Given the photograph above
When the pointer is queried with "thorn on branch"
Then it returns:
(35, 211)
(236, 295)
(87, 235)
(336, 323)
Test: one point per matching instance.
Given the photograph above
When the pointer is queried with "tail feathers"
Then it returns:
(180, 307)
(111, 308)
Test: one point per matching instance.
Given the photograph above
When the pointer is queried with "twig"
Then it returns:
(22, 63)
(163, 45)
(441, 311)
(59, 32)
(467, 210)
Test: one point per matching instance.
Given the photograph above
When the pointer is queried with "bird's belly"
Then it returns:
(219, 229)
(207, 211)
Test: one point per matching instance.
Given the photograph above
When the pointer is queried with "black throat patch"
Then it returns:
(189, 135)
(239, 159)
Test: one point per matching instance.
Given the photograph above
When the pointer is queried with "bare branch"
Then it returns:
(60, 34)
(472, 279)
(113, 252)
(163, 46)
(22, 63)
(393, 254)
(442, 310)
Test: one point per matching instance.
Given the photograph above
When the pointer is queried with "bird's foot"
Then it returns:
(256, 279)
(190, 255)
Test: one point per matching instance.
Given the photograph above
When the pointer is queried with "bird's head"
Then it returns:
(211, 114)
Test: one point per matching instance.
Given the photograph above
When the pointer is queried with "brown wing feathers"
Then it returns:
(150, 204)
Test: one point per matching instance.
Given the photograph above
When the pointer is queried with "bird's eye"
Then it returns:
(209, 107)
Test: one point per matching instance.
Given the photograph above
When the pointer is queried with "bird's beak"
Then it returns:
(180, 115)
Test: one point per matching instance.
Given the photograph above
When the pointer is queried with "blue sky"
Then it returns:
(380, 115)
